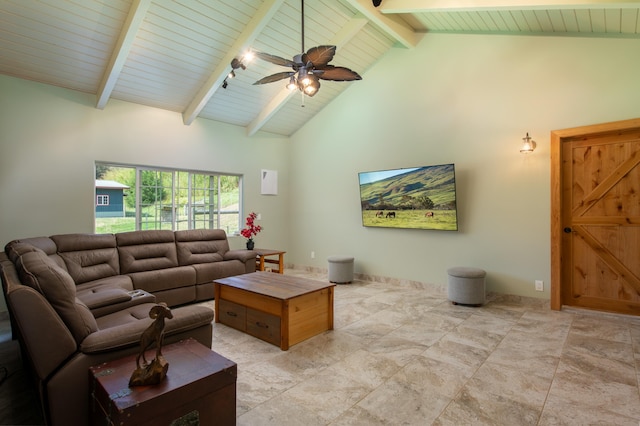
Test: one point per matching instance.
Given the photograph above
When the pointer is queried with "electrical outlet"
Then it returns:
(313, 254)
(539, 285)
(258, 216)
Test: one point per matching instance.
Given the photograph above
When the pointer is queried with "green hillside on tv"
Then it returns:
(413, 198)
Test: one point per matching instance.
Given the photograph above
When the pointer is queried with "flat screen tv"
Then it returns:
(415, 198)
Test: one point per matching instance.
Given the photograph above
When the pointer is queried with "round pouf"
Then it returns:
(340, 269)
(466, 285)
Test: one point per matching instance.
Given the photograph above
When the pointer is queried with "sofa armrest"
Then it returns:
(103, 297)
(241, 255)
(107, 301)
(47, 340)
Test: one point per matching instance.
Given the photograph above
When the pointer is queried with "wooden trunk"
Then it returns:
(200, 389)
(279, 309)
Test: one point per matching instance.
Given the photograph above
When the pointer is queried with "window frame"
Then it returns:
(172, 202)
(102, 197)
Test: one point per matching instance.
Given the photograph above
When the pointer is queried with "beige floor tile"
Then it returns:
(467, 409)
(398, 402)
(558, 411)
(401, 354)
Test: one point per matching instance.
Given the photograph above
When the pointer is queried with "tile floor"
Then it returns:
(401, 354)
(404, 355)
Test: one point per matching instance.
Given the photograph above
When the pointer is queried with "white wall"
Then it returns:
(50, 139)
(464, 99)
(468, 100)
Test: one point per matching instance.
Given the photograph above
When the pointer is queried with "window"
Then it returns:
(102, 200)
(157, 198)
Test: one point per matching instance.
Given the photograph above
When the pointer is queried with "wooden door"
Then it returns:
(596, 217)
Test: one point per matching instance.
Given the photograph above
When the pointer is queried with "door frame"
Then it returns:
(558, 137)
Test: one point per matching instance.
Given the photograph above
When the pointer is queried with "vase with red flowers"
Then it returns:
(251, 230)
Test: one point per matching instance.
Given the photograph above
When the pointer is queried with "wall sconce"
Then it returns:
(528, 145)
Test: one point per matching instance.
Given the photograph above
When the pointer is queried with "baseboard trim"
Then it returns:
(438, 289)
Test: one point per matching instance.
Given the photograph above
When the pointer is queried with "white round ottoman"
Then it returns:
(466, 285)
(340, 269)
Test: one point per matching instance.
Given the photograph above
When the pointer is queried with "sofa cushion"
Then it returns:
(88, 257)
(164, 279)
(40, 272)
(207, 272)
(15, 249)
(201, 246)
(122, 329)
(46, 244)
(146, 251)
(117, 281)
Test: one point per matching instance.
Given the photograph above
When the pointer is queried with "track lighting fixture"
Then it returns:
(237, 63)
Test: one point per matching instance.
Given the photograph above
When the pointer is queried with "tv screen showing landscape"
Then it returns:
(415, 198)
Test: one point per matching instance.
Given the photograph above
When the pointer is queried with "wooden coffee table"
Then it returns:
(280, 309)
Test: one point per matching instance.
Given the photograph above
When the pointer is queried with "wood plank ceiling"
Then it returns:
(176, 54)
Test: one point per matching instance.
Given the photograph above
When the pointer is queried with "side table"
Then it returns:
(262, 258)
(200, 388)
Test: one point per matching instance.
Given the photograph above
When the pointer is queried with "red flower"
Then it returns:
(251, 228)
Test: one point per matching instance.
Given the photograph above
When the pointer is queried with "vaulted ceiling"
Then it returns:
(176, 54)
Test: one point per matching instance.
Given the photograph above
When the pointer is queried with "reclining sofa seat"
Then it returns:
(70, 303)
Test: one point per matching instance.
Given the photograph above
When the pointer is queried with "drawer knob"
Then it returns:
(261, 324)
(232, 314)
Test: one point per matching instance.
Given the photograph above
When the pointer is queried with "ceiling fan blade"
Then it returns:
(319, 56)
(277, 60)
(275, 77)
(338, 74)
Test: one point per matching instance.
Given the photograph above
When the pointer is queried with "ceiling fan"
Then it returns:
(307, 69)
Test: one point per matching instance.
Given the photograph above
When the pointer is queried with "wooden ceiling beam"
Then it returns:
(423, 6)
(120, 53)
(395, 27)
(257, 23)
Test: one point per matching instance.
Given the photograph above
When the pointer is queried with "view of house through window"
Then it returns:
(139, 198)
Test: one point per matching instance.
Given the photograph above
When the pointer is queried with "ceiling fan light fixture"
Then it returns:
(310, 90)
(293, 84)
(303, 77)
(232, 74)
(312, 85)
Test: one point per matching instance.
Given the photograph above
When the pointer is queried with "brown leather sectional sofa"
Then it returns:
(78, 300)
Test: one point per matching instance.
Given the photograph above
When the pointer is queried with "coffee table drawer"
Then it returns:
(263, 326)
(232, 314)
